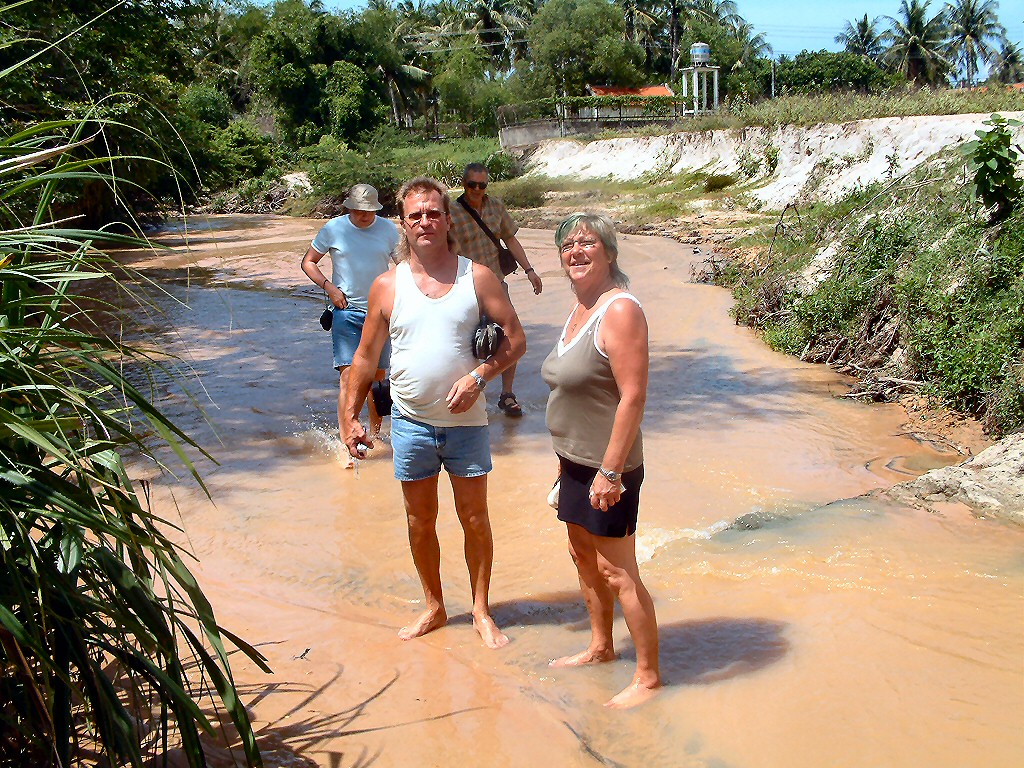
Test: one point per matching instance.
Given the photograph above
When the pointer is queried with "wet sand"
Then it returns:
(810, 633)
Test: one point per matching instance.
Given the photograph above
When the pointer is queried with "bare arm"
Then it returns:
(364, 362)
(495, 304)
(519, 253)
(311, 266)
(623, 336)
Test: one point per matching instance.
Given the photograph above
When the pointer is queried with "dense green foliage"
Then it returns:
(920, 287)
(108, 647)
(994, 160)
(228, 91)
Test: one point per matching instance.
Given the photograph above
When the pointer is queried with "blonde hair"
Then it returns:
(422, 185)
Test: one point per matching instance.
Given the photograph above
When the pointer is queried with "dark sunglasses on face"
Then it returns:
(476, 185)
(429, 215)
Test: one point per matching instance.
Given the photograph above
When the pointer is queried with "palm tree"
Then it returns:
(497, 26)
(681, 14)
(862, 38)
(974, 30)
(917, 43)
(1008, 64)
(401, 33)
(753, 45)
(640, 20)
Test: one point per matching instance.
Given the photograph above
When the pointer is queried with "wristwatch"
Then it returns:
(481, 382)
(613, 477)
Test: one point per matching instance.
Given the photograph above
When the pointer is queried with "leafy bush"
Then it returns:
(993, 160)
(333, 170)
(749, 164)
(718, 181)
(243, 152)
(913, 269)
(445, 171)
(502, 166)
(206, 103)
(524, 192)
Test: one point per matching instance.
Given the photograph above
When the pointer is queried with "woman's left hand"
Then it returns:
(603, 494)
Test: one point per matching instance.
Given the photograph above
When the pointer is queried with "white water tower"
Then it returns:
(700, 54)
(700, 66)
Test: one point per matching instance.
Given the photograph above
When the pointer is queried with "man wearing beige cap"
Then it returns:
(360, 244)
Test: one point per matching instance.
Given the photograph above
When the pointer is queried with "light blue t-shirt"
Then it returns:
(358, 256)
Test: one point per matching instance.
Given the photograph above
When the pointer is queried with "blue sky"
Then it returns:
(791, 26)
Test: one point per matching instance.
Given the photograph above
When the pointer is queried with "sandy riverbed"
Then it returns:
(811, 634)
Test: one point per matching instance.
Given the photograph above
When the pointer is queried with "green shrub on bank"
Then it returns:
(716, 182)
(921, 287)
(524, 192)
(387, 159)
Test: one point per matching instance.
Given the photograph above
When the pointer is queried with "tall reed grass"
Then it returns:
(110, 653)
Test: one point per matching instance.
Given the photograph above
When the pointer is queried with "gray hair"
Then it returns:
(603, 229)
(422, 184)
(473, 168)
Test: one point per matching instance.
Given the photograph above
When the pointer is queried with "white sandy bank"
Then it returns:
(830, 159)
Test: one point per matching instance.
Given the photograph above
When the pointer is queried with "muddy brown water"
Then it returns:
(800, 625)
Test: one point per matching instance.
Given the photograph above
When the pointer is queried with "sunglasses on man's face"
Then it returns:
(476, 185)
(432, 215)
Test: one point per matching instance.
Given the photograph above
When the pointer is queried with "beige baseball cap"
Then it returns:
(362, 197)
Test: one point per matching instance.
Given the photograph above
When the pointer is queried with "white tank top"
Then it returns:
(431, 348)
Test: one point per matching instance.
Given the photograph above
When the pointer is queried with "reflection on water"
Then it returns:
(795, 630)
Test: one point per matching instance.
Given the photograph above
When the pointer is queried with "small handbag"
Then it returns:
(380, 391)
(487, 338)
(327, 317)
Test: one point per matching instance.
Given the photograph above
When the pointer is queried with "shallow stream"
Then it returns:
(800, 625)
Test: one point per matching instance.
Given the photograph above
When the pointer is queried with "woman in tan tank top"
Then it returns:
(598, 378)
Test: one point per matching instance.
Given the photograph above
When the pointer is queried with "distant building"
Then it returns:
(610, 112)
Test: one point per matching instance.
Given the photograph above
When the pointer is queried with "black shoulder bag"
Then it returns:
(506, 261)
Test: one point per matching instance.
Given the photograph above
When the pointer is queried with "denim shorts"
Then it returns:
(346, 329)
(422, 449)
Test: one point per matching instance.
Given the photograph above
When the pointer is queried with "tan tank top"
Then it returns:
(584, 396)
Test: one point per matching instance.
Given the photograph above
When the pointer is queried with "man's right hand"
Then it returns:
(357, 440)
(337, 297)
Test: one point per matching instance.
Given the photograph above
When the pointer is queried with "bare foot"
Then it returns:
(586, 657)
(634, 694)
(489, 632)
(428, 621)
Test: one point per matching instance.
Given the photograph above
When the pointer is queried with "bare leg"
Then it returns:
(471, 506)
(616, 560)
(421, 514)
(342, 395)
(508, 378)
(599, 599)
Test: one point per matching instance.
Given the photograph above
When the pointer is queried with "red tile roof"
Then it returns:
(647, 90)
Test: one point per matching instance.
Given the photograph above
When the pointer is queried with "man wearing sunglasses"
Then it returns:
(429, 306)
(476, 245)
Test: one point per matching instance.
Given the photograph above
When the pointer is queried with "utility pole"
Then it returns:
(773, 78)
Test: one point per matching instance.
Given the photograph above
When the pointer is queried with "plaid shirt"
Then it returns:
(474, 243)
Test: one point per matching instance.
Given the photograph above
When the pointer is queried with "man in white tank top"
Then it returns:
(428, 306)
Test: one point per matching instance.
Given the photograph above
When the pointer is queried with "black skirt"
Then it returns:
(574, 501)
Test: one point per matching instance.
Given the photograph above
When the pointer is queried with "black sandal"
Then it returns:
(508, 405)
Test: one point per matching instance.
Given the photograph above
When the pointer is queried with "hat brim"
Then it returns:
(353, 205)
